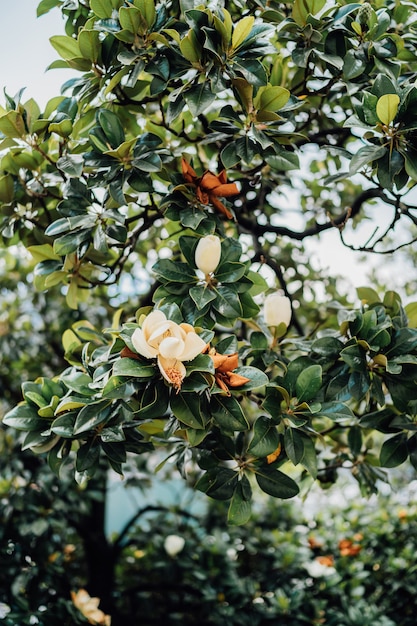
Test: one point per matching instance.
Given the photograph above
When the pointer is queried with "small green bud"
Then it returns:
(364, 15)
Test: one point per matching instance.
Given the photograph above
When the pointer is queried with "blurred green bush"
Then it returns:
(345, 563)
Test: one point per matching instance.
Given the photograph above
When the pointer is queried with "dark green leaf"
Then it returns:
(276, 483)
(219, 484)
(308, 383)
(187, 409)
(294, 445)
(199, 97)
(88, 456)
(174, 271)
(133, 368)
(265, 438)
(394, 451)
(240, 505)
(112, 127)
(91, 415)
(228, 414)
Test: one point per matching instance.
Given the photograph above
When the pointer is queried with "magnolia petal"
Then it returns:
(194, 345)
(220, 207)
(165, 329)
(153, 319)
(202, 196)
(222, 177)
(218, 360)
(222, 384)
(226, 190)
(172, 370)
(187, 327)
(171, 348)
(209, 181)
(188, 172)
(141, 345)
(230, 363)
(236, 380)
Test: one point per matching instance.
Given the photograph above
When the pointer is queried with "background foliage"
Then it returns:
(342, 560)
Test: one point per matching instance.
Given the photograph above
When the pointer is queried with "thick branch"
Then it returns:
(255, 228)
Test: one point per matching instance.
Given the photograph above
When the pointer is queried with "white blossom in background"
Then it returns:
(277, 310)
(174, 544)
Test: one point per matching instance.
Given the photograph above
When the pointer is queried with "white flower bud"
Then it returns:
(173, 544)
(277, 310)
(207, 254)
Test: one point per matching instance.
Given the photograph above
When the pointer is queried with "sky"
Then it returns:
(25, 51)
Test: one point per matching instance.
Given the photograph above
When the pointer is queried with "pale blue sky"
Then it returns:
(25, 51)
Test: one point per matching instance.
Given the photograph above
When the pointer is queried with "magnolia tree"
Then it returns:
(176, 178)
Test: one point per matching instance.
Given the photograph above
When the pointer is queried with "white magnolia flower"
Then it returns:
(277, 310)
(207, 254)
(88, 606)
(170, 343)
(173, 544)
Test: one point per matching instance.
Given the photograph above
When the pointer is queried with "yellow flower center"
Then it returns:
(175, 377)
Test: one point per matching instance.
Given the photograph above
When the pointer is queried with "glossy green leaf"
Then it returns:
(148, 11)
(309, 458)
(394, 451)
(387, 107)
(227, 302)
(174, 272)
(265, 438)
(6, 188)
(283, 160)
(199, 98)
(239, 510)
(45, 6)
(89, 44)
(66, 46)
(24, 417)
(187, 409)
(64, 424)
(294, 445)
(275, 483)
(130, 19)
(91, 416)
(366, 155)
(271, 98)
(228, 414)
(102, 8)
(219, 484)
(308, 383)
(242, 30)
(112, 127)
(301, 9)
(12, 124)
(87, 456)
(133, 368)
(191, 48)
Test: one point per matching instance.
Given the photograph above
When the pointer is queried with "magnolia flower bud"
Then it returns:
(173, 544)
(277, 310)
(207, 254)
